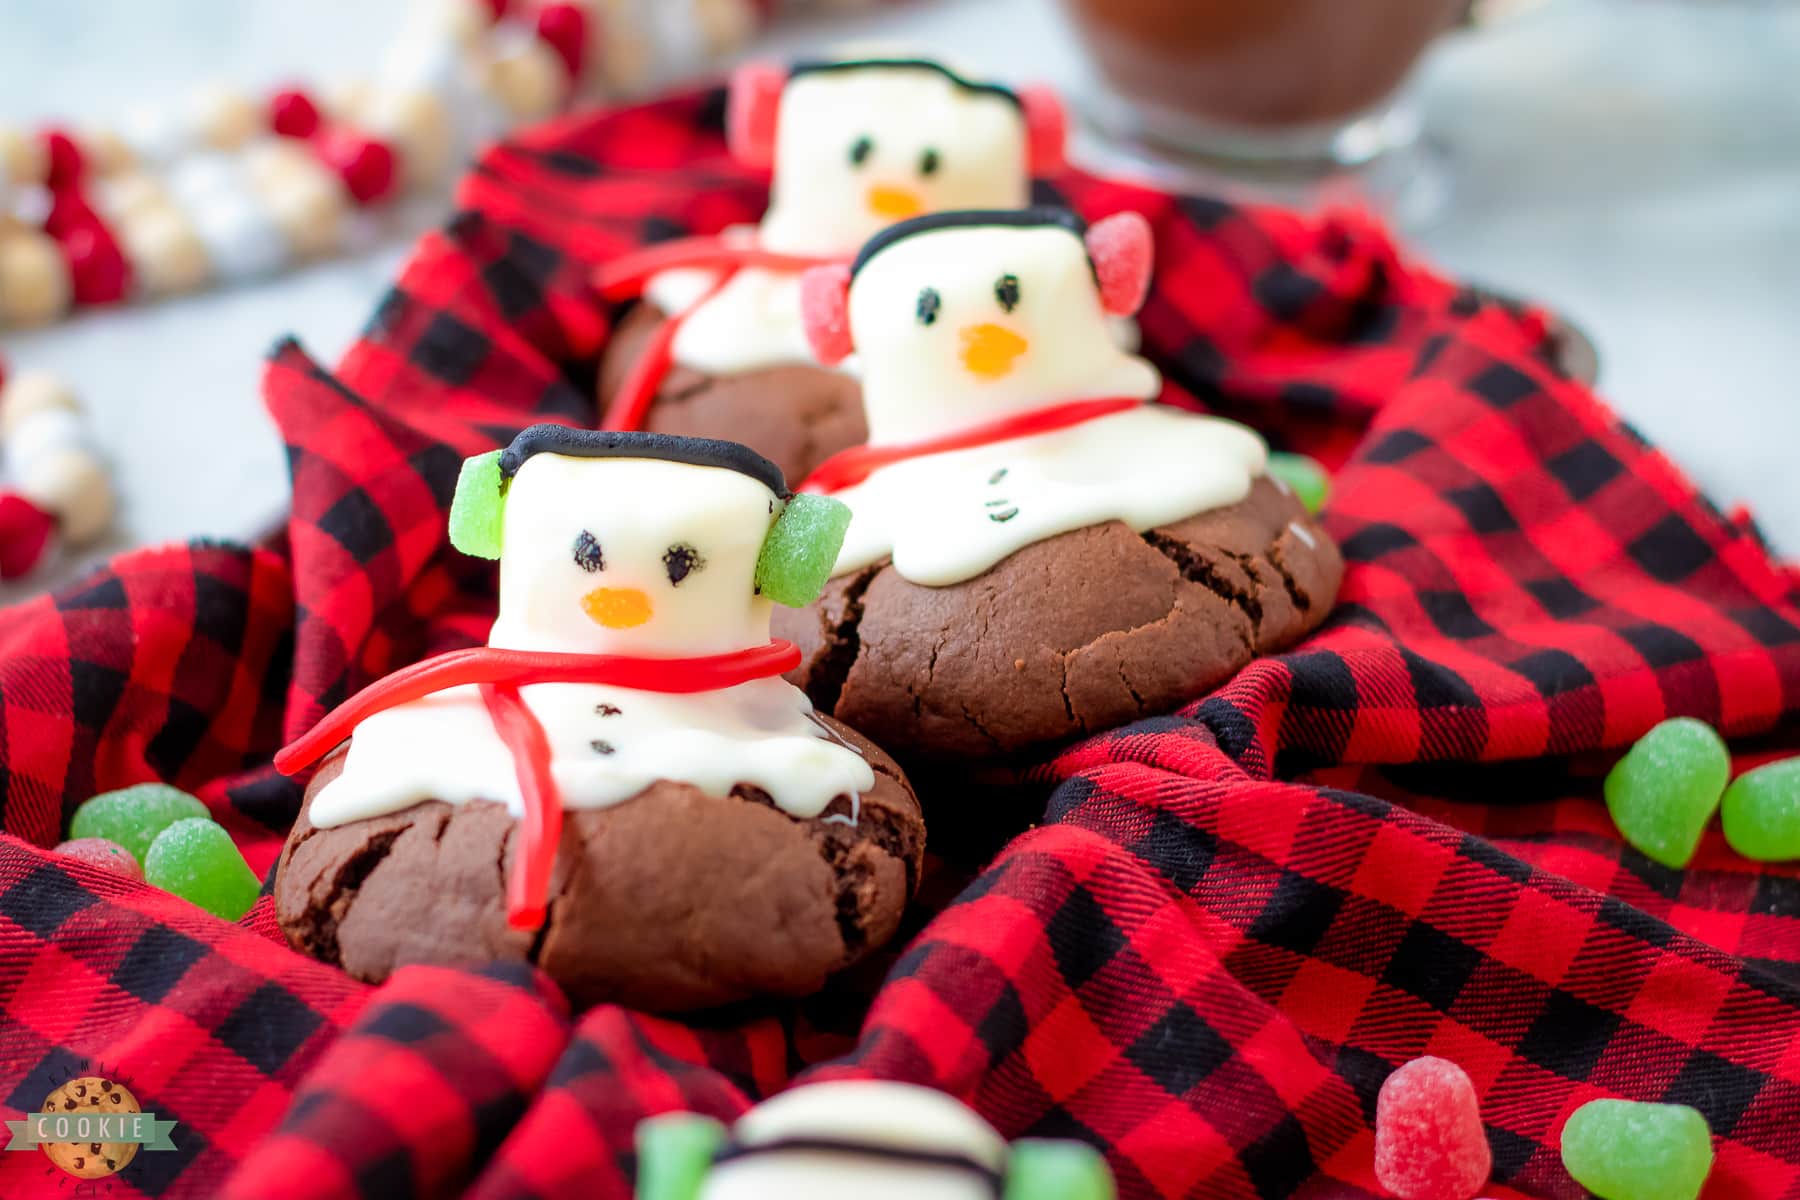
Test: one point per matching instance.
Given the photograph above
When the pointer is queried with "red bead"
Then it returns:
(63, 160)
(365, 164)
(98, 272)
(24, 534)
(563, 27)
(293, 114)
(497, 9)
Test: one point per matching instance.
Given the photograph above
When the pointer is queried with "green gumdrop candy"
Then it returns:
(477, 510)
(1040, 1169)
(196, 860)
(1666, 788)
(799, 553)
(674, 1153)
(1624, 1150)
(1761, 812)
(133, 816)
(1309, 479)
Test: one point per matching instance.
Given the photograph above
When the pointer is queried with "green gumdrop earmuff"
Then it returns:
(1044, 1169)
(674, 1154)
(796, 558)
(802, 548)
(479, 505)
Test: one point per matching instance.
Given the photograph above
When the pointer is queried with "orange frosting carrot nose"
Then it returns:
(989, 350)
(616, 608)
(892, 203)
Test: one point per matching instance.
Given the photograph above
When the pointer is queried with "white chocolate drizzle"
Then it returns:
(607, 743)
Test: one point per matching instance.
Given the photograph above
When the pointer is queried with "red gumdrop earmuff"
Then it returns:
(825, 312)
(1046, 130)
(1122, 250)
(751, 108)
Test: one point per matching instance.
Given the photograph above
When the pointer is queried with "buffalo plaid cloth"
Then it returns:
(1232, 922)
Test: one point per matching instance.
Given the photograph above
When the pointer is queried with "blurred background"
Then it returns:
(1634, 165)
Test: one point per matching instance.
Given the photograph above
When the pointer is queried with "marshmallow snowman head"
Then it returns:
(638, 543)
(867, 1139)
(961, 318)
(859, 144)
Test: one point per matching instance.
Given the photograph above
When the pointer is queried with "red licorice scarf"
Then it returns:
(849, 467)
(500, 674)
(625, 278)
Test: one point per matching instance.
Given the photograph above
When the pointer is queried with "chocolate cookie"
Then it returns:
(1067, 637)
(794, 415)
(671, 900)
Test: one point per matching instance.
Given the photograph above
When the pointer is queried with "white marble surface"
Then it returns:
(1634, 163)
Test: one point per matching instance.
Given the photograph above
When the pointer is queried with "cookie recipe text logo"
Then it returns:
(91, 1127)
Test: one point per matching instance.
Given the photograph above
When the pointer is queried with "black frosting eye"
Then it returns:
(929, 303)
(860, 150)
(681, 561)
(929, 162)
(587, 553)
(1006, 291)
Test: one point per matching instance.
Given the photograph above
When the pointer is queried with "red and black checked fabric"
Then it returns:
(1232, 922)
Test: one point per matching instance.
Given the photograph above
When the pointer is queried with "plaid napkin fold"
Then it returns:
(1232, 922)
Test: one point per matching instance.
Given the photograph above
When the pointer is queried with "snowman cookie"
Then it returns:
(1037, 551)
(855, 145)
(868, 1139)
(619, 787)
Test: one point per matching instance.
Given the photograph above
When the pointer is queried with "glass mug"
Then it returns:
(1273, 82)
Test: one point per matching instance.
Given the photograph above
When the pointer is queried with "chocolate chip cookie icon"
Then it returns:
(90, 1096)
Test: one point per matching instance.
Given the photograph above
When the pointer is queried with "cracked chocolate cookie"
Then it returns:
(794, 414)
(1068, 636)
(1038, 550)
(671, 900)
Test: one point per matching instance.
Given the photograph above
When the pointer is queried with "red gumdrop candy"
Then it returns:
(825, 312)
(365, 164)
(563, 27)
(63, 162)
(24, 533)
(293, 114)
(107, 855)
(1429, 1143)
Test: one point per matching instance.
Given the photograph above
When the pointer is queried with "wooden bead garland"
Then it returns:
(59, 488)
(228, 186)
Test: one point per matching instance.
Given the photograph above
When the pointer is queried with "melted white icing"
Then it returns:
(948, 517)
(761, 733)
(752, 323)
(820, 201)
(860, 1111)
(1299, 531)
